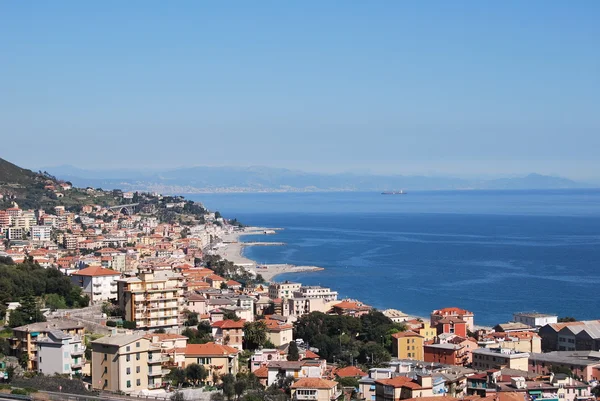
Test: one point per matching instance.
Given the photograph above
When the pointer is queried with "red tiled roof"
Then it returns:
(311, 355)
(350, 371)
(96, 271)
(209, 349)
(229, 324)
(408, 333)
(262, 372)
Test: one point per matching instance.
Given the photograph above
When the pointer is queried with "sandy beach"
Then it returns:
(231, 249)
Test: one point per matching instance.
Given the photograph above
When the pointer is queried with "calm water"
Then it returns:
(492, 252)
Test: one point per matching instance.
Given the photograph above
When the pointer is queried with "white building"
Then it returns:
(60, 353)
(315, 291)
(99, 283)
(283, 290)
(534, 319)
(41, 233)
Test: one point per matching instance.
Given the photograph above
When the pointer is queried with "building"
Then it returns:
(153, 299)
(522, 341)
(422, 328)
(41, 233)
(451, 325)
(218, 358)
(571, 336)
(583, 364)
(403, 387)
(534, 319)
(279, 332)
(316, 389)
(283, 290)
(70, 242)
(126, 363)
(315, 291)
(498, 358)
(395, 315)
(295, 369)
(350, 308)
(60, 353)
(23, 344)
(407, 345)
(455, 313)
(366, 385)
(99, 283)
(229, 332)
(447, 353)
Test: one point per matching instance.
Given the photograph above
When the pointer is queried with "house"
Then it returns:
(454, 313)
(523, 341)
(402, 387)
(350, 308)
(261, 358)
(283, 290)
(366, 385)
(215, 281)
(278, 332)
(407, 345)
(448, 354)
(172, 347)
(126, 363)
(218, 358)
(24, 341)
(196, 303)
(98, 283)
(60, 353)
(229, 332)
(424, 329)
(316, 389)
(498, 358)
(295, 369)
(349, 371)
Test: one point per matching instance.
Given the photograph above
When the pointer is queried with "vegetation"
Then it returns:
(255, 334)
(229, 270)
(199, 335)
(29, 279)
(293, 353)
(345, 338)
(566, 319)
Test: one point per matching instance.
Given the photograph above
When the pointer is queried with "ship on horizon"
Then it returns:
(401, 192)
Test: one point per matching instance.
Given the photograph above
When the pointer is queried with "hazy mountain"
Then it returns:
(259, 178)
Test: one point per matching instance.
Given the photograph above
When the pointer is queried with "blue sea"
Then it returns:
(491, 252)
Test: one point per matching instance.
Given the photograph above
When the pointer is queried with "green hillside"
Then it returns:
(15, 176)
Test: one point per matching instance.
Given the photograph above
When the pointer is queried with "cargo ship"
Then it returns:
(401, 192)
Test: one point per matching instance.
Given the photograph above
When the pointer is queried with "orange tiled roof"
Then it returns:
(408, 333)
(95, 271)
(399, 381)
(262, 372)
(452, 311)
(209, 349)
(350, 371)
(229, 324)
(311, 382)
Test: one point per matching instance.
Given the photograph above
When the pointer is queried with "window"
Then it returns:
(105, 370)
(137, 369)
(138, 344)
(128, 371)
(105, 383)
(105, 357)
(137, 356)
(128, 348)
(40, 359)
(408, 347)
(138, 382)
(128, 383)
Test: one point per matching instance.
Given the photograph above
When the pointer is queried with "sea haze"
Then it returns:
(492, 252)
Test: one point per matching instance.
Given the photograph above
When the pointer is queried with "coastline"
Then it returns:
(231, 248)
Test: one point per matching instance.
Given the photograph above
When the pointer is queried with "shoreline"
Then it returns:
(232, 248)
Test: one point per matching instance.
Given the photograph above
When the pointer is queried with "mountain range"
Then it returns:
(257, 178)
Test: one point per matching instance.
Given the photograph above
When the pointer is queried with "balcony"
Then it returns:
(78, 352)
(155, 372)
(305, 396)
(154, 385)
(97, 284)
(78, 365)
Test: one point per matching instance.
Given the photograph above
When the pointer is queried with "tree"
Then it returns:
(230, 315)
(55, 301)
(176, 376)
(348, 381)
(196, 373)
(566, 319)
(255, 334)
(228, 386)
(374, 354)
(240, 386)
(192, 319)
(27, 313)
(293, 354)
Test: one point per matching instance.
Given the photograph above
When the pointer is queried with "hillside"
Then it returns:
(15, 176)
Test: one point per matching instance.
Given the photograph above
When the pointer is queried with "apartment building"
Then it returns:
(61, 353)
(522, 341)
(229, 332)
(99, 283)
(153, 300)
(128, 363)
(283, 290)
(407, 345)
(41, 233)
(534, 319)
(218, 358)
(315, 291)
(25, 338)
(279, 333)
(499, 358)
(455, 314)
(316, 389)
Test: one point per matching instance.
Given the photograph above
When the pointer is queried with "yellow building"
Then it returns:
(408, 345)
(309, 388)
(24, 339)
(218, 358)
(127, 363)
(153, 300)
(498, 358)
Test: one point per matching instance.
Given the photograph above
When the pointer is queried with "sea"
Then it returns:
(491, 252)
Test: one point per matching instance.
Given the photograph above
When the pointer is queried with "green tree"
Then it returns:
(255, 334)
(566, 319)
(192, 319)
(28, 312)
(293, 353)
(196, 373)
(228, 386)
(177, 376)
(374, 354)
(55, 301)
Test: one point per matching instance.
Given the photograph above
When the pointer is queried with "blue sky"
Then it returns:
(460, 87)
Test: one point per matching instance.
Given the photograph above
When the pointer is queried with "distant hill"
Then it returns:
(15, 176)
(257, 178)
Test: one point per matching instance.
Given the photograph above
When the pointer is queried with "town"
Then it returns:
(131, 297)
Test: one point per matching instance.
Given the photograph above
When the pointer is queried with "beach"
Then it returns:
(231, 248)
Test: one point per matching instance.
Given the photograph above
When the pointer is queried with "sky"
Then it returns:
(399, 87)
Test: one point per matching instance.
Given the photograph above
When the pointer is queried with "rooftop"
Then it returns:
(584, 358)
(118, 339)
